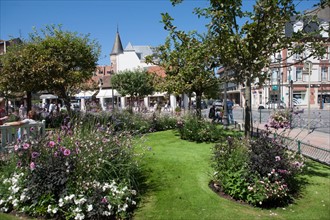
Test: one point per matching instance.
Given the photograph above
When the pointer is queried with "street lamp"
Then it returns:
(289, 86)
(308, 65)
(279, 59)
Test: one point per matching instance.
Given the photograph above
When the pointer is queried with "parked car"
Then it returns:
(218, 103)
(272, 105)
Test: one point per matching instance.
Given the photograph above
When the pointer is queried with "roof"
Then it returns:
(323, 15)
(117, 46)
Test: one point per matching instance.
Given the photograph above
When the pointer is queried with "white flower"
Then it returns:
(15, 202)
(80, 216)
(22, 196)
(55, 210)
(77, 210)
(60, 202)
(49, 209)
(106, 213)
(1, 201)
(89, 208)
(109, 207)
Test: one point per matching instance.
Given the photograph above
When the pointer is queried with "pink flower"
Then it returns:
(19, 164)
(66, 152)
(16, 147)
(26, 146)
(32, 166)
(104, 200)
(32, 129)
(51, 144)
(35, 154)
(277, 158)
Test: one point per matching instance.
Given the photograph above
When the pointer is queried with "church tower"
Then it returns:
(117, 49)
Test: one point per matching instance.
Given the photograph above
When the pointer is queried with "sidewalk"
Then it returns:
(315, 138)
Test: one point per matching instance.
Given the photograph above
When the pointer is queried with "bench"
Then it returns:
(9, 134)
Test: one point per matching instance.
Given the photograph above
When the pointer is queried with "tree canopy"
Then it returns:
(135, 83)
(51, 59)
(246, 49)
(186, 60)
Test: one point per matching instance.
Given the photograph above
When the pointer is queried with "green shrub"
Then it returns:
(197, 129)
(230, 160)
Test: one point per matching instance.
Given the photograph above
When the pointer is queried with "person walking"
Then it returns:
(230, 107)
(212, 114)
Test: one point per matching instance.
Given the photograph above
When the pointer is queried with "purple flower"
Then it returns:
(26, 146)
(19, 164)
(51, 144)
(35, 155)
(32, 166)
(55, 154)
(32, 129)
(66, 152)
(77, 143)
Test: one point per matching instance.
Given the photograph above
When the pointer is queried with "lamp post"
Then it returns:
(308, 65)
(289, 86)
(279, 58)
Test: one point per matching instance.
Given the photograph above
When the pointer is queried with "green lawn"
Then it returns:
(178, 174)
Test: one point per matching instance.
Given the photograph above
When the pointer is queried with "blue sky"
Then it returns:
(138, 20)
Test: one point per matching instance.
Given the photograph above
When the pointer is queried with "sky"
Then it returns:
(138, 21)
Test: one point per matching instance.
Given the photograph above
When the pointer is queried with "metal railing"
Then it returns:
(314, 152)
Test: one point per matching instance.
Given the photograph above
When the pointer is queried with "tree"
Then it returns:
(135, 83)
(186, 60)
(246, 49)
(54, 60)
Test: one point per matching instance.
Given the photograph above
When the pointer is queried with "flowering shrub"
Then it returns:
(280, 119)
(260, 172)
(73, 174)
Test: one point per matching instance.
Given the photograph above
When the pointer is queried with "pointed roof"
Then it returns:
(129, 47)
(117, 46)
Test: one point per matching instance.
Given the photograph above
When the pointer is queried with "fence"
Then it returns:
(316, 153)
(10, 134)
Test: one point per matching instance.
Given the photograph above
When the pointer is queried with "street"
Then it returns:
(319, 119)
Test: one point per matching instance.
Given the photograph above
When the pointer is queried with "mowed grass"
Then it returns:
(178, 173)
(177, 176)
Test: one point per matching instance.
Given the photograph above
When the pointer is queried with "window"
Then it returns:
(299, 73)
(324, 73)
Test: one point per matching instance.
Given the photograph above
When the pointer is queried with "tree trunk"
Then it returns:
(28, 101)
(248, 122)
(198, 105)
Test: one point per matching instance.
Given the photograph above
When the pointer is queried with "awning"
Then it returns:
(107, 93)
(48, 96)
(84, 94)
(158, 94)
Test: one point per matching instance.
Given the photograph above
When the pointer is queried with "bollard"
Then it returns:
(299, 146)
(260, 115)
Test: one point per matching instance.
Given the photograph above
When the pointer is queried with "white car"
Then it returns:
(218, 103)
(272, 105)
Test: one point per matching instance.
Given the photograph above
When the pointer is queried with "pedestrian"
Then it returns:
(212, 114)
(230, 107)
(3, 116)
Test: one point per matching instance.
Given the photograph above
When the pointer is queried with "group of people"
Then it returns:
(4, 118)
(216, 114)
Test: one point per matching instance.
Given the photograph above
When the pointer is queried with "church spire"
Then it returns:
(117, 46)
